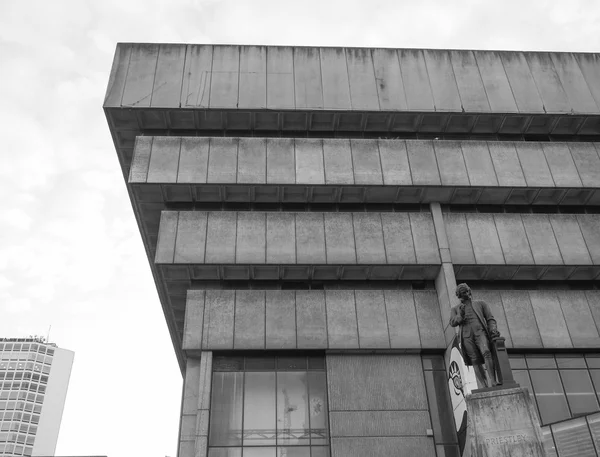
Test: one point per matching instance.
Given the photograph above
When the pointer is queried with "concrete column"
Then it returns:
(193, 439)
(445, 282)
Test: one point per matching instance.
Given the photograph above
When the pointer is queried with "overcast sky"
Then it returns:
(70, 252)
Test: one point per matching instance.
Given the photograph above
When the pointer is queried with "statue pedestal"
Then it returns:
(503, 422)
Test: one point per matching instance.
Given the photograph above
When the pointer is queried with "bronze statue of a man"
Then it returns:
(477, 328)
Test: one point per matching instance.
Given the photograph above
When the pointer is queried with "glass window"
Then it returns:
(226, 409)
(579, 390)
(550, 396)
(271, 405)
(570, 361)
(573, 438)
(517, 362)
(540, 361)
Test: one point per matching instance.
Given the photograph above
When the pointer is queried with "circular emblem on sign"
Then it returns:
(455, 377)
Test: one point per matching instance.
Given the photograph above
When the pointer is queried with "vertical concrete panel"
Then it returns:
(506, 164)
(459, 240)
(522, 83)
(164, 159)
(402, 319)
(141, 159)
(366, 163)
(579, 319)
(513, 239)
(533, 163)
(280, 78)
(429, 319)
(549, 86)
(470, 86)
(251, 237)
(334, 74)
(167, 232)
(398, 238)
(451, 163)
(197, 76)
(310, 238)
(541, 239)
(281, 238)
(363, 383)
(521, 321)
(309, 161)
(426, 246)
(390, 88)
(191, 237)
(311, 323)
(495, 82)
(570, 240)
(379, 424)
(140, 75)
(338, 162)
(593, 298)
(339, 238)
(550, 319)
(342, 328)
(222, 160)
(368, 234)
(219, 319)
(253, 77)
(589, 223)
(394, 163)
(492, 298)
(308, 89)
(166, 91)
(372, 319)
(423, 165)
(590, 67)
(191, 386)
(220, 237)
(194, 321)
(480, 167)
(587, 162)
(484, 236)
(442, 80)
(193, 160)
(363, 90)
(224, 82)
(280, 319)
(118, 75)
(249, 332)
(573, 82)
(281, 166)
(252, 161)
(559, 159)
(416, 80)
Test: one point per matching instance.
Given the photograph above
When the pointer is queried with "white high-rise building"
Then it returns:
(34, 378)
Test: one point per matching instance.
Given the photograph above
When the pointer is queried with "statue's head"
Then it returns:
(463, 292)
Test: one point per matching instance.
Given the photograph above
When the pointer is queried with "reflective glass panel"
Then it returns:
(293, 451)
(259, 452)
(570, 362)
(226, 409)
(548, 442)
(259, 409)
(594, 423)
(517, 362)
(573, 439)
(317, 386)
(225, 452)
(579, 390)
(550, 396)
(593, 360)
(319, 451)
(540, 361)
(292, 408)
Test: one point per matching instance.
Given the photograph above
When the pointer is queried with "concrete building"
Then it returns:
(307, 213)
(34, 378)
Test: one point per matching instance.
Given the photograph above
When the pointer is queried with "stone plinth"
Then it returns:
(504, 422)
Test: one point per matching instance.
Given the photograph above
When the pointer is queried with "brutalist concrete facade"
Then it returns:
(325, 202)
